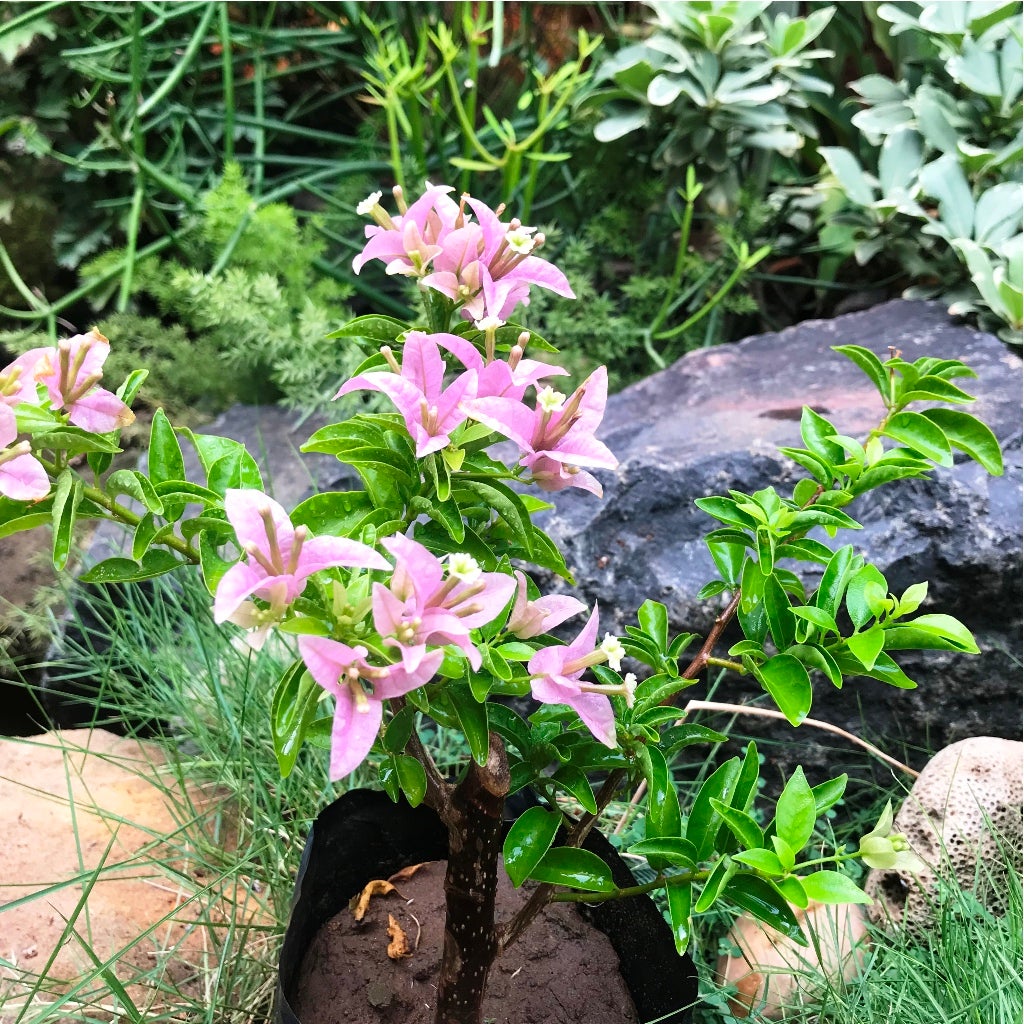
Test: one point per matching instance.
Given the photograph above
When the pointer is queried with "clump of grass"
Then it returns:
(157, 661)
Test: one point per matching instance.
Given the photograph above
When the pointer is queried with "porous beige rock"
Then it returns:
(771, 972)
(87, 811)
(963, 811)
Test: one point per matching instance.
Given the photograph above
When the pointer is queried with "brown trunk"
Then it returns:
(474, 817)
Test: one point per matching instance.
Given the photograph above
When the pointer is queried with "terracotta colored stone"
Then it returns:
(967, 791)
(78, 802)
(772, 973)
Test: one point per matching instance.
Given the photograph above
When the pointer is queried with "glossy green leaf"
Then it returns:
(680, 900)
(67, 495)
(862, 594)
(653, 619)
(704, 822)
(575, 782)
(781, 622)
(919, 433)
(137, 486)
(828, 794)
(579, 869)
(374, 327)
(726, 510)
(866, 646)
(741, 824)
(728, 557)
(762, 900)
(165, 461)
(472, 717)
(663, 817)
(761, 860)
(835, 578)
(786, 680)
(411, 778)
(869, 363)
(673, 850)
(833, 887)
(817, 433)
(292, 709)
(795, 812)
(155, 562)
(816, 657)
(145, 530)
(930, 633)
(752, 616)
(399, 730)
(212, 564)
(723, 870)
(970, 435)
(529, 838)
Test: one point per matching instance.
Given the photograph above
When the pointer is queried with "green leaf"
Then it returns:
(663, 817)
(817, 433)
(579, 869)
(292, 709)
(66, 497)
(472, 716)
(862, 595)
(653, 619)
(511, 727)
(399, 730)
(212, 564)
(930, 633)
(704, 823)
(680, 898)
(759, 898)
(728, 557)
(741, 824)
(918, 432)
(154, 562)
(675, 850)
(816, 657)
(795, 812)
(146, 529)
(866, 646)
(727, 511)
(834, 579)
(137, 486)
(761, 860)
(781, 621)
(753, 617)
(828, 794)
(884, 669)
(506, 503)
(576, 784)
(529, 838)
(970, 435)
(869, 363)
(165, 460)
(412, 778)
(723, 870)
(787, 681)
(833, 887)
(375, 328)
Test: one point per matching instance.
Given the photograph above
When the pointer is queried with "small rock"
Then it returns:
(965, 809)
(771, 972)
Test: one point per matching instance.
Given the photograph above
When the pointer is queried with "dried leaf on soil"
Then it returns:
(398, 947)
(360, 904)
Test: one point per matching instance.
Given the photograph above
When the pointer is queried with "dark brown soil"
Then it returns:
(561, 971)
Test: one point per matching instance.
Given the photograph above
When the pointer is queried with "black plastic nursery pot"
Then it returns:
(363, 836)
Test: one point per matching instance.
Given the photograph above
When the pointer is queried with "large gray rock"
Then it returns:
(714, 420)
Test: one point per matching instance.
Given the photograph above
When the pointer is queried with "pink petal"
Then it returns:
(510, 418)
(24, 479)
(100, 411)
(388, 610)
(418, 572)
(353, 732)
(596, 713)
(325, 552)
(240, 582)
(243, 508)
(8, 425)
(398, 681)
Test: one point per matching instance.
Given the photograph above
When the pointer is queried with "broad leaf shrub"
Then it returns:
(413, 611)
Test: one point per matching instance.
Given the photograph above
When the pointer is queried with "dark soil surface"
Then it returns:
(561, 971)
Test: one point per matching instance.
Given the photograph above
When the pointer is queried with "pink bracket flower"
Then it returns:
(279, 560)
(424, 605)
(557, 437)
(342, 671)
(430, 410)
(532, 618)
(70, 373)
(22, 476)
(556, 673)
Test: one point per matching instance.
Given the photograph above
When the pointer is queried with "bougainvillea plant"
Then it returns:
(413, 606)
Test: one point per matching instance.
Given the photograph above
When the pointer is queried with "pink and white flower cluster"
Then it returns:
(67, 377)
(484, 265)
